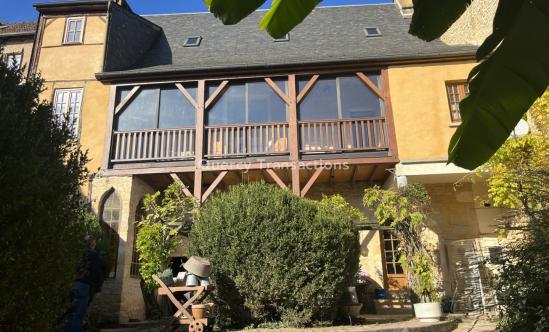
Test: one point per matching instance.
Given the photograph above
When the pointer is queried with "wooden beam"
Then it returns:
(128, 98)
(216, 94)
(277, 90)
(213, 185)
(311, 181)
(176, 178)
(370, 85)
(199, 140)
(355, 172)
(277, 179)
(108, 132)
(307, 88)
(186, 94)
(390, 123)
(373, 174)
(293, 134)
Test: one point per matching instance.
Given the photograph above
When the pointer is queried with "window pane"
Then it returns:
(175, 110)
(320, 102)
(390, 269)
(141, 112)
(230, 107)
(264, 105)
(357, 100)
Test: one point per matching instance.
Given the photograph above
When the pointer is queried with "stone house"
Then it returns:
(346, 100)
(16, 40)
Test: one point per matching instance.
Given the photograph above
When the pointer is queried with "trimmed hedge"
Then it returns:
(276, 257)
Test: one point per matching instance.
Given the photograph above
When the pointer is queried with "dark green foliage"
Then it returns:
(41, 214)
(523, 285)
(276, 257)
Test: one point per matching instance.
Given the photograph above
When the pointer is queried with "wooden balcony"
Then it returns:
(343, 135)
(153, 144)
(230, 141)
(354, 142)
(246, 140)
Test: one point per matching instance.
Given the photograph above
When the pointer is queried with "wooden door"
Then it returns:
(395, 277)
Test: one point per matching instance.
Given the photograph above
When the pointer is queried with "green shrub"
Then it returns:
(276, 257)
(167, 214)
(41, 210)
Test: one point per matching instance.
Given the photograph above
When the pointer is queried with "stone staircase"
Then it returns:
(397, 302)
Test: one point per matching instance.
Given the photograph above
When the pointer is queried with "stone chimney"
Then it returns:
(406, 7)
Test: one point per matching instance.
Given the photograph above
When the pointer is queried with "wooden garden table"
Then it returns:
(183, 314)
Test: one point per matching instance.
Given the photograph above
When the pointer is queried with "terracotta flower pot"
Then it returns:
(199, 311)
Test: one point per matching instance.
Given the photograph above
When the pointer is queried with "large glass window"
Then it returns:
(321, 101)
(247, 102)
(342, 97)
(156, 107)
(141, 112)
(230, 108)
(175, 110)
(357, 100)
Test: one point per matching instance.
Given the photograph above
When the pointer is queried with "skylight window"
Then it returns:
(285, 38)
(372, 32)
(192, 41)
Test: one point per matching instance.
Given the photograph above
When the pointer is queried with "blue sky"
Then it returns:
(22, 10)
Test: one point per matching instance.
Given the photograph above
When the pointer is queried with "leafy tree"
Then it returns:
(407, 210)
(518, 178)
(275, 256)
(41, 210)
(513, 72)
(167, 214)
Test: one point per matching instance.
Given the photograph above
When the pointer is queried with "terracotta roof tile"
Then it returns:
(19, 27)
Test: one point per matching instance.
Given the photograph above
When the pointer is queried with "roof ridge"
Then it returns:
(263, 10)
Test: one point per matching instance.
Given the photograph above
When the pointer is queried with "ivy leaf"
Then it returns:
(284, 15)
(232, 11)
(514, 76)
(432, 18)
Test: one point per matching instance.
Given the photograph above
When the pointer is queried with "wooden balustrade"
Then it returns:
(246, 140)
(153, 144)
(343, 135)
(319, 136)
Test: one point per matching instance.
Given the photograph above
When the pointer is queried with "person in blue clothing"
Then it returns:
(88, 281)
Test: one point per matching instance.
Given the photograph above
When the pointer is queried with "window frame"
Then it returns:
(13, 54)
(66, 32)
(339, 99)
(462, 92)
(195, 44)
(157, 88)
(70, 90)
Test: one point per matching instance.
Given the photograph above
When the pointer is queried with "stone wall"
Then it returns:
(121, 299)
(474, 25)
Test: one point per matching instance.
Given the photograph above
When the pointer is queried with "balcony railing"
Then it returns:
(343, 135)
(153, 144)
(228, 141)
(246, 140)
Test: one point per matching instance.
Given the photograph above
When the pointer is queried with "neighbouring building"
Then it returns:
(346, 100)
(16, 40)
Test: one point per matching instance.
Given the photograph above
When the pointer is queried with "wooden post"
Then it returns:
(293, 134)
(105, 163)
(199, 140)
(389, 121)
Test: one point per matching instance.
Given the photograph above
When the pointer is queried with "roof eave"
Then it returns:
(119, 76)
(17, 34)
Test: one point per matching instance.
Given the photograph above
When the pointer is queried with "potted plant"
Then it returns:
(406, 211)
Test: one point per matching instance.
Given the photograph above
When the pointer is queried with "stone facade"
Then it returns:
(121, 299)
